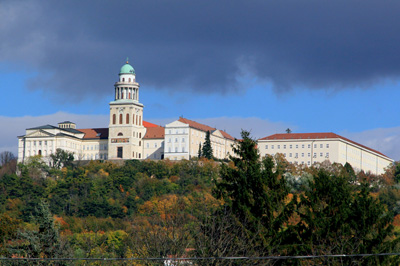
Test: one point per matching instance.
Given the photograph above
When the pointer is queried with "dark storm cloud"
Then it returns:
(206, 46)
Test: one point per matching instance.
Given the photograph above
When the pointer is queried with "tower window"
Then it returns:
(114, 118)
(127, 118)
(120, 134)
(123, 79)
(120, 118)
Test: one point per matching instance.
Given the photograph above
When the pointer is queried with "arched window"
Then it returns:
(120, 134)
(129, 95)
(133, 119)
(140, 135)
(120, 118)
(127, 118)
(140, 143)
(114, 118)
(129, 79)
(40, 151)
(122, 95)
(123, 79)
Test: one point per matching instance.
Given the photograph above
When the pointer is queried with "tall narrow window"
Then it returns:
(129, 95)
(140, 135)
(114, 118)
(120, 118)
(127, 118)
(133, 119)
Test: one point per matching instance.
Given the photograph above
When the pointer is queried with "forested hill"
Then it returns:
(245, 207)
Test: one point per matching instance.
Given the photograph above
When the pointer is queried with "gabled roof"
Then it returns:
(43, 127)
(94, 133)
(154, 133)
(226, 135)
(196, 125)
(71, 130)
(306, 136)
(203, 127)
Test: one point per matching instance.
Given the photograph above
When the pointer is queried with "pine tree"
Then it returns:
(45, 242)
(207, 151)
(255, 194)
(338, 217)
(199, 152)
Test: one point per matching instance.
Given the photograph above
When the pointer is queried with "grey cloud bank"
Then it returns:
(202, 46)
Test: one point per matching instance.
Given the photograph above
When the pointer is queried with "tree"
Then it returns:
(43, 242)
(337, 217)
(255, 194)
(207, 151)
(199, 152)
(8, 163)
(6, 157)
(61, 158)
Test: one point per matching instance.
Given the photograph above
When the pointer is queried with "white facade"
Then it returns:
(183, 138)
(310, 148)
(85, 144)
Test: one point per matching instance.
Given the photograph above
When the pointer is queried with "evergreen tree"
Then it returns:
(340, 218)
(44, 242)
(207, 151)
(255, 194)
(199, 152)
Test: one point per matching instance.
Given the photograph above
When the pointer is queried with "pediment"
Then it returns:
(39, 133)
(177, 124)
(217, 133)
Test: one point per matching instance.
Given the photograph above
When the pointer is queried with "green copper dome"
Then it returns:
(127, 69)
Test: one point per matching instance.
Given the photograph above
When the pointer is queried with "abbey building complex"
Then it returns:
(128, 136)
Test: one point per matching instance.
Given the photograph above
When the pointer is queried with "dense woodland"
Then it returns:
(247, 206)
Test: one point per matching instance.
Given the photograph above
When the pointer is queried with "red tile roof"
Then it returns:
(203, 127)
(154, 133)
(327, 135)
(102, 133)
(94, 133)
(226, 135)
(196, 125)
(148, 124)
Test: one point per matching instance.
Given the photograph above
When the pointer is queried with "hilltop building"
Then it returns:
(128, 136)
(183, 138)
(310, 148)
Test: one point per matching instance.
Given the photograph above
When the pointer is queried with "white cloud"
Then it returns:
(384, 140)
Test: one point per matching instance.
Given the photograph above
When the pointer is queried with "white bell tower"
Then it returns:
(126, 130)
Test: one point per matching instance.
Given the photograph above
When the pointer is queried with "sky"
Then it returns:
(263, 66)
